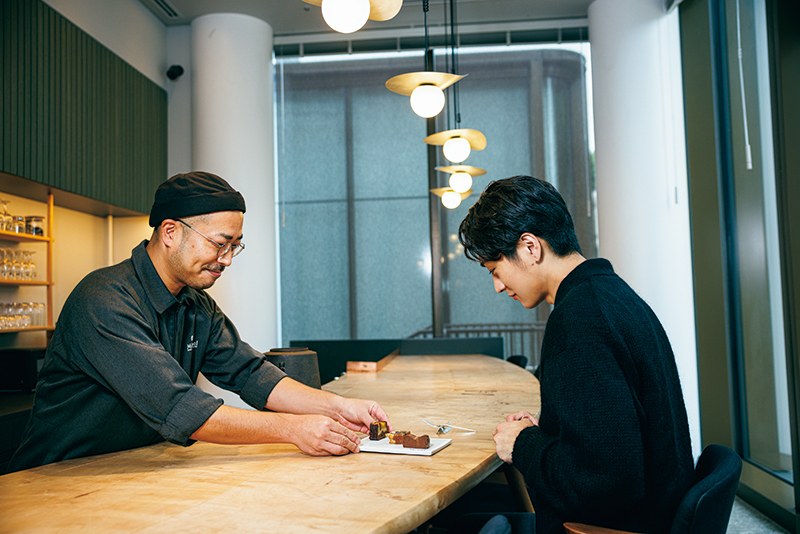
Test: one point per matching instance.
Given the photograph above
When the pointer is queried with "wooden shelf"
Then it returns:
(47, 283)
(23, 238)
(25, 283)
(28, 329)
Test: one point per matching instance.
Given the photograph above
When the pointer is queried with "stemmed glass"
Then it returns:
(5, 222)
(25, 265)
(16, 264)
(31, 266)
(5, 264)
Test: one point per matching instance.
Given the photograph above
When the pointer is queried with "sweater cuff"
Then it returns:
(260, 384)
(529, 449)
(192, 411)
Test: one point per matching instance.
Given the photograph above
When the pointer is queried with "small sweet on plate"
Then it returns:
(396, 437)
(377, 430)
(410, 441)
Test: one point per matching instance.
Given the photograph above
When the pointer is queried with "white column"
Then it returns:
(232, 136)
(642, 185)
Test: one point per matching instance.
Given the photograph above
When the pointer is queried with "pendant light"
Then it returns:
(461, 176)
(426, 89)
(450, 199)
(457, 144)
(348, 16)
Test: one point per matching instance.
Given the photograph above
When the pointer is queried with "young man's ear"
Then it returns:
(531, 246)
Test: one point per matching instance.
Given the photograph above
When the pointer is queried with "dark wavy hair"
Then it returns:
(507, 209)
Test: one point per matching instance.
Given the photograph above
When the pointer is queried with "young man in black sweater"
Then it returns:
(611, 444)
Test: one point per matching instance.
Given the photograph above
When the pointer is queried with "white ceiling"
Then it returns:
(293, 17)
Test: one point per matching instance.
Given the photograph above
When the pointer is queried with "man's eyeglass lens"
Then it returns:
(222, 249)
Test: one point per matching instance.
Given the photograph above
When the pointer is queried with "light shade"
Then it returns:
(427, 100)
(345, 16)
(456, 149)
(451, 200)
(475, 140)
(449, 196)
(469, 169)
(460, 181)
(404, 84)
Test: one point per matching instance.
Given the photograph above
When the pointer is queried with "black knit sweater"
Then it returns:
(612, 447)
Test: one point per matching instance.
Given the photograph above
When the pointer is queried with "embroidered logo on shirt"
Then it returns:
(191, 345)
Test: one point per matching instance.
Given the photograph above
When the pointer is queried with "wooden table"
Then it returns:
(166, 488)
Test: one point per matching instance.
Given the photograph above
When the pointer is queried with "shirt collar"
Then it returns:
(157, 292)
(592, 267)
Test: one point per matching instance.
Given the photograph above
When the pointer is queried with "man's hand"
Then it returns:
(506, 433)
(357, 414)
(318, 435)
(522, 415)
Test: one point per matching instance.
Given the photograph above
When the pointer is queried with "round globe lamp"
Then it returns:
(460, 181)
(451, 200)
(427, 100)
(345, 16)
(456, 149)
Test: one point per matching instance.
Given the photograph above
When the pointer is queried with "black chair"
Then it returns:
(706, 507)
(519, 359)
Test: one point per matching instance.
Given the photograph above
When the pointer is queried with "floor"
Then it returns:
(747, 520)
(744, 520)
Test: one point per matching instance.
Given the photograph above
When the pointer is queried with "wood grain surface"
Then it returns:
(166, 488)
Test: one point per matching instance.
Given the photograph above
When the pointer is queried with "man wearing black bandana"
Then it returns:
(131, 340)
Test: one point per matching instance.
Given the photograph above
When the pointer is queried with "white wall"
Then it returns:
(125, 27)
(642, 183)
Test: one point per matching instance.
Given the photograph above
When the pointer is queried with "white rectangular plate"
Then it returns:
(437, 444)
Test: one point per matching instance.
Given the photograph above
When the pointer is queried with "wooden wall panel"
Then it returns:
(75, 116)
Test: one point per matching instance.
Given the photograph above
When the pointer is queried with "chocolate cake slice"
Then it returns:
(411, 441)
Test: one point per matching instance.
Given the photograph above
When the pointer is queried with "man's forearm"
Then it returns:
(235, 425)
(290, 396)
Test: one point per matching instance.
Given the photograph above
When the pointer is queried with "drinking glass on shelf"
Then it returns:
(5, 217)
(38, 314)
(16, 265)
(33, 273)
(25, 262)
(26, 312)
(5, 264)
(17, 224)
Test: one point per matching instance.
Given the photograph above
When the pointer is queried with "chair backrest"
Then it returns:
(706, 507)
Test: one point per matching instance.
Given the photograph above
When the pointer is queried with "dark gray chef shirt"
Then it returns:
(121, 368)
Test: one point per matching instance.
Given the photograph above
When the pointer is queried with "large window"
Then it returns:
(754, 251)
(353, 199)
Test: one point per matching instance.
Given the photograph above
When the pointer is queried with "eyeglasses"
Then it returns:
(222, 249)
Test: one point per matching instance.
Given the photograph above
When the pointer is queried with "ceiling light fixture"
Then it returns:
(457, 144)
(450, 199)
(345, 16)
(348, 16)
(426, 89)
(461, 176)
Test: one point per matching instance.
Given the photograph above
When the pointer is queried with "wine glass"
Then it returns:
(5, 221)
(5, 263)
(33, 274)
